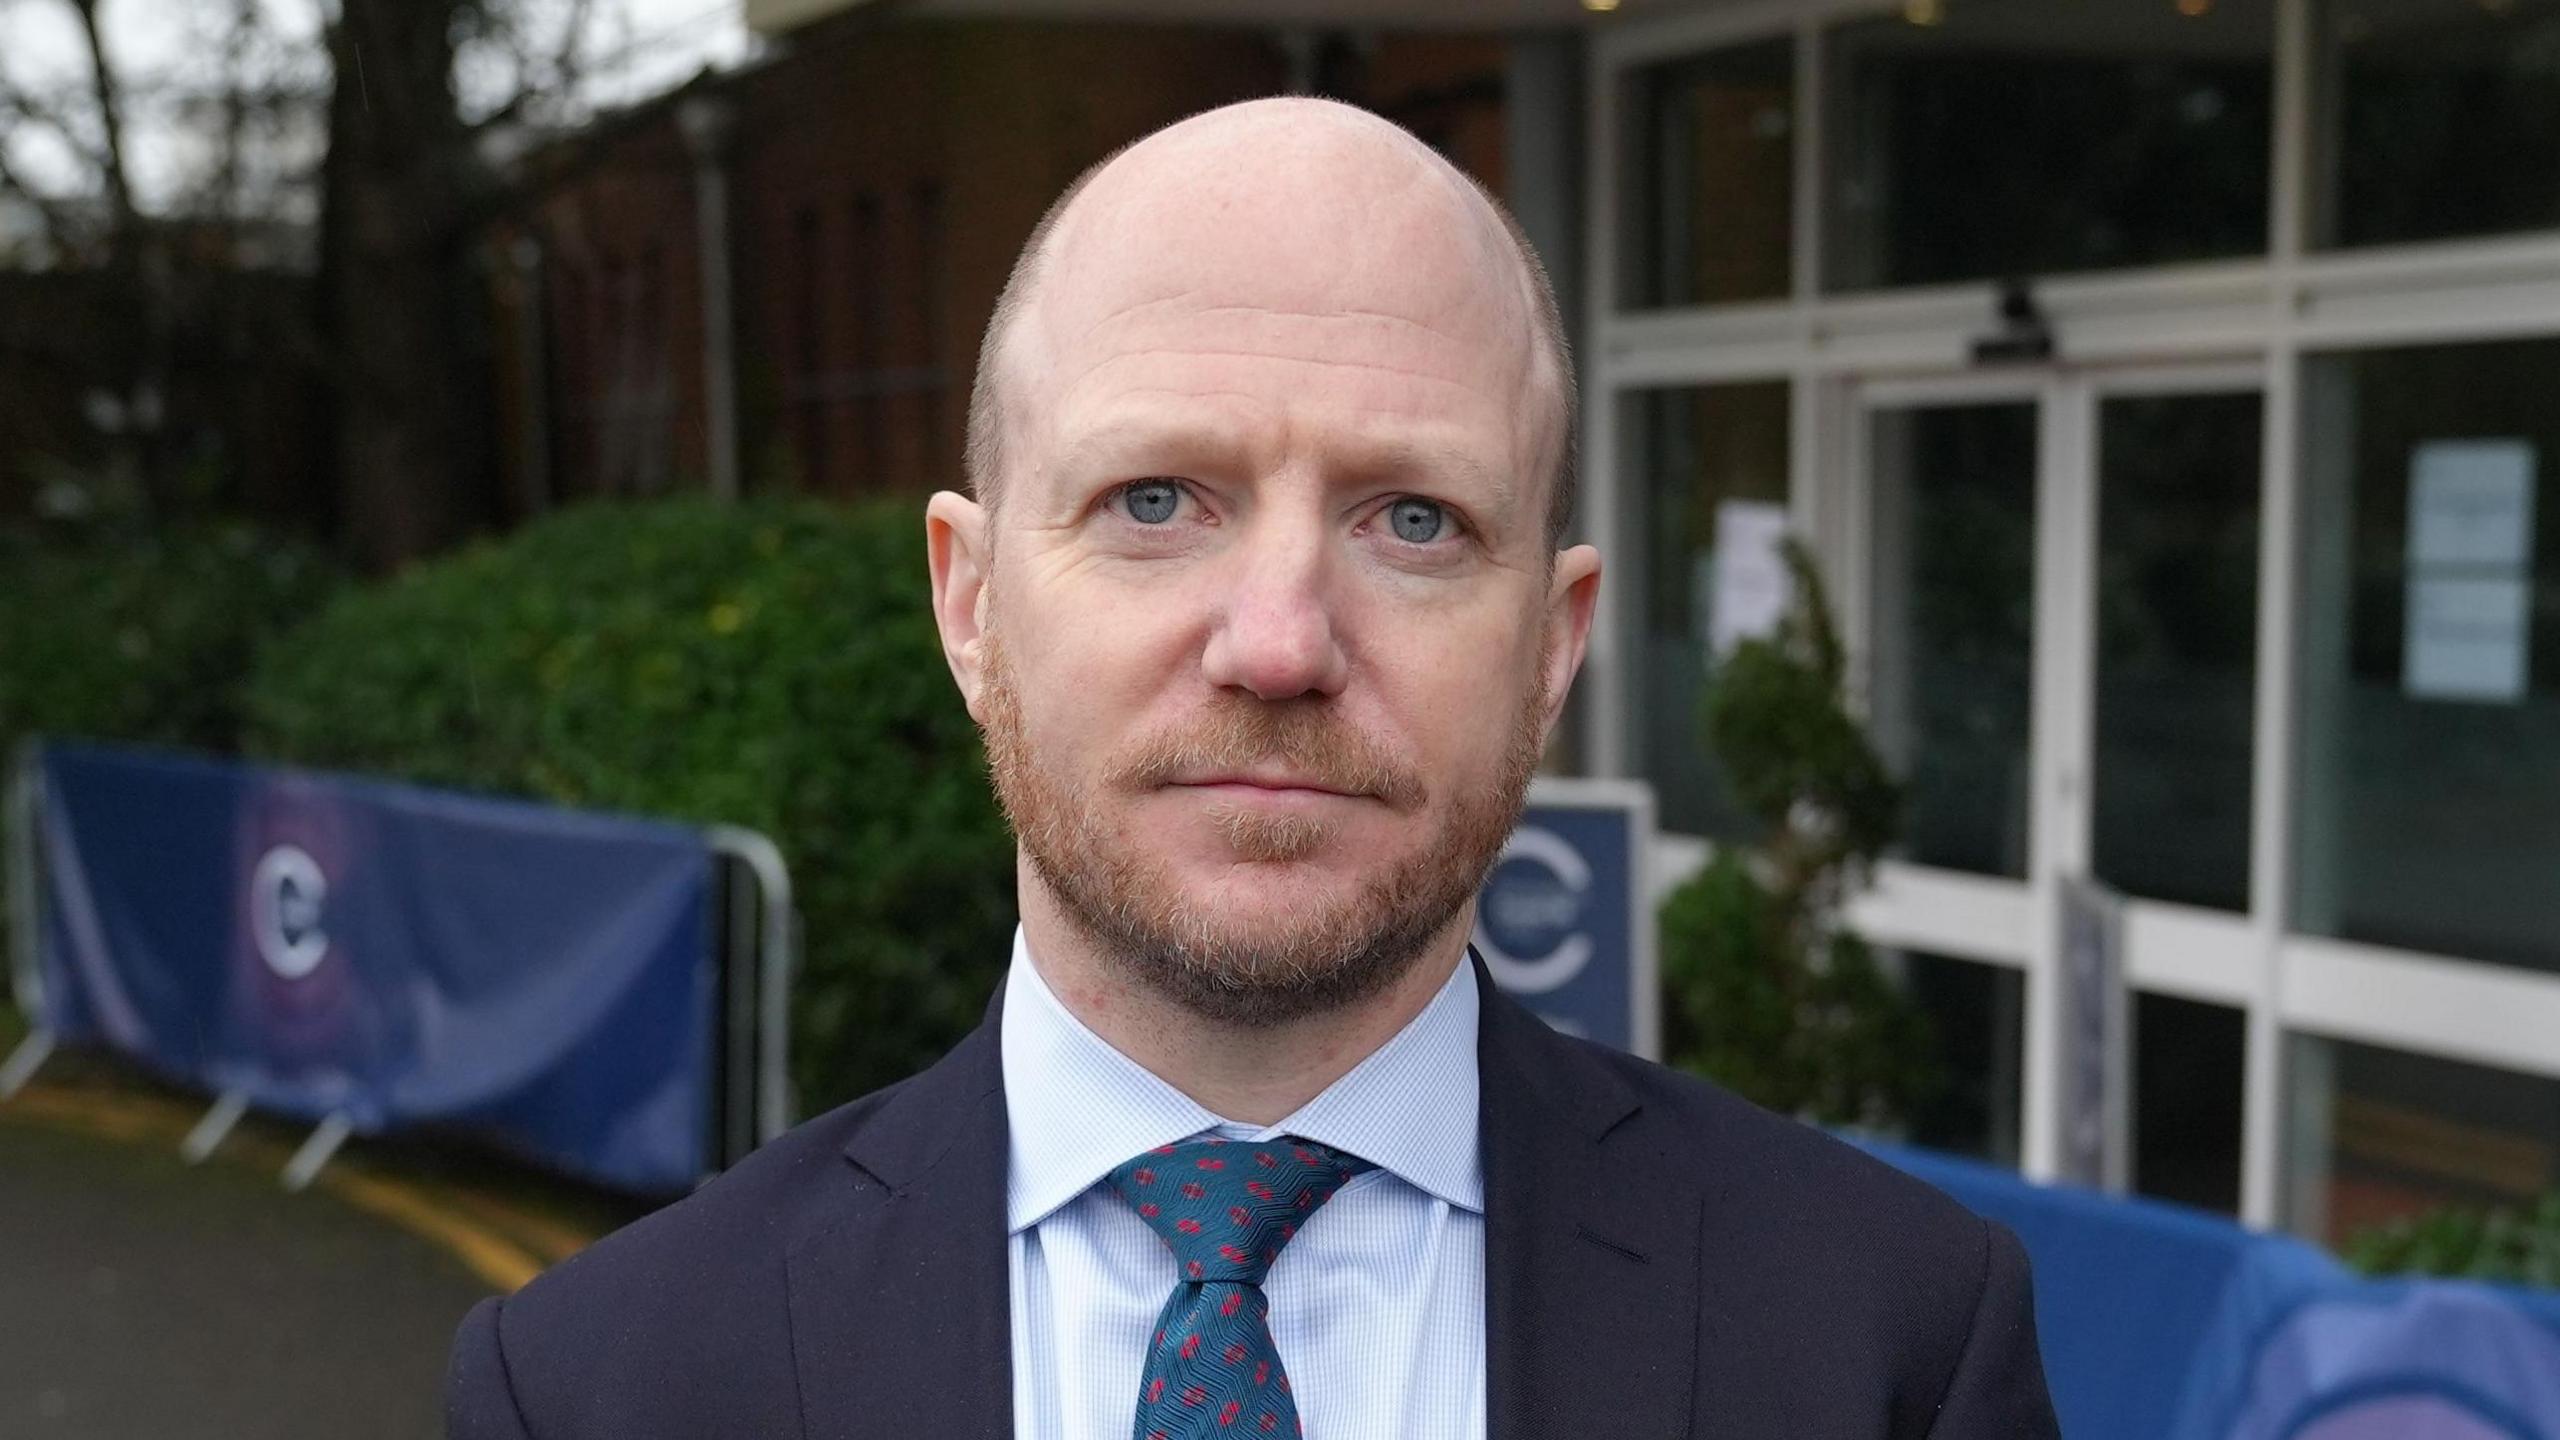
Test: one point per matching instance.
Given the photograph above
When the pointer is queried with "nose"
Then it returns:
(1277, 634)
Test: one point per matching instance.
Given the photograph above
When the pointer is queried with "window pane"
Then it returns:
(2177, 645)
(1693, 451)
(2444, 119)
(2186, 1101)
(1955, 490)
(1976, 139)
(2428, 813)
(2380, 1134)
(1977, 1025)
(1710, 179)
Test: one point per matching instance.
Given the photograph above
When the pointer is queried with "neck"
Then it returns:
(1256, 1075)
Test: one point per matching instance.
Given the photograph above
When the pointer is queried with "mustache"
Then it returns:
(1306, 736)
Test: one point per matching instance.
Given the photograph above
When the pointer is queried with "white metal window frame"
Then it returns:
(2190, 952)
(2248, 323)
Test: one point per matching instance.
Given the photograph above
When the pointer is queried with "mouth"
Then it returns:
(1264, 788)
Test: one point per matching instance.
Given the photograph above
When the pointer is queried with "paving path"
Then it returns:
(141, 1299)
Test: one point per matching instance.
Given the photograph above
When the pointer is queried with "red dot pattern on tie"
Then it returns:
(1225, 1209)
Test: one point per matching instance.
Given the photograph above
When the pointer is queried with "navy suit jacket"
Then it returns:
(1661, 1260)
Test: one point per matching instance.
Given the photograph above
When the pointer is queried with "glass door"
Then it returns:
(2176, 458)
(1953, 624)
(1941, 580)
(2053, 586)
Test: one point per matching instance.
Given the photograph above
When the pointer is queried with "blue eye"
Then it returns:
(1151, 502)
(1417, 522)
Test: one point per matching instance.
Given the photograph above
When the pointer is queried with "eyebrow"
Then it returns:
(1133, 443)
(1441, 463)
(1113, 445)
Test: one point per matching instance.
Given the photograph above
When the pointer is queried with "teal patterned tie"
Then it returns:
(1225, 1209)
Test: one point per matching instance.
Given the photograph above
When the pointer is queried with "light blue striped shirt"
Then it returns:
(1377, 1304)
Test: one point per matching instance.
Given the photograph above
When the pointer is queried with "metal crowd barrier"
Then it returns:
(753, 931)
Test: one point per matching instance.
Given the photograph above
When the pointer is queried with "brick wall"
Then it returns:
(884, 175)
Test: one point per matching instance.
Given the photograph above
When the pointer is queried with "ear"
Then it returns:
(955, 546)
(1571, 596)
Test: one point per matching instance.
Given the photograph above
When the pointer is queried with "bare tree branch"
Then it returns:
(235, 109)
(61, 226)
(102, 79)
(23, 107)
(568, 62)
(65, 232)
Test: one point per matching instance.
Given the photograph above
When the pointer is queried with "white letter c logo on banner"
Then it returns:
(285, 895)
(1558, 908)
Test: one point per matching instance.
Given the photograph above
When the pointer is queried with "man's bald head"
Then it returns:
(1334, 162)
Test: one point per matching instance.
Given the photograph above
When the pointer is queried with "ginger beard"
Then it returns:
(1132, 908)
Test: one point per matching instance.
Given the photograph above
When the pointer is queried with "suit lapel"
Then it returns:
(1591, 1248)
(901, 1313)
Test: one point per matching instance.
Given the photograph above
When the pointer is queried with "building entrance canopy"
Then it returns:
(770, 17)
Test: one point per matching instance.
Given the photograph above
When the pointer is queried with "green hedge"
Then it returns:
(2511, 1246)
(772, 665)
(143, 639)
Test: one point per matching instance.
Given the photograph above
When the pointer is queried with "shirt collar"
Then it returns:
(1076, 1107)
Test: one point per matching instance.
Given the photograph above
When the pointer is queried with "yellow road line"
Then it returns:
(554, 1241)
(505, 1267)
(87, 1110)
(431, 1215)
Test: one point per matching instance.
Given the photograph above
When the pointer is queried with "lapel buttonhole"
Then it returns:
(1585, 1232)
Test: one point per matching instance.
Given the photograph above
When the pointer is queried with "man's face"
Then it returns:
(1270, 634)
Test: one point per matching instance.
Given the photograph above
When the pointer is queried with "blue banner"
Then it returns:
(328, 945)
(2160, 1323)
(1564, 923)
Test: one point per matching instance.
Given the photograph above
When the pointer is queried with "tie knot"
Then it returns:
(1226, 1207)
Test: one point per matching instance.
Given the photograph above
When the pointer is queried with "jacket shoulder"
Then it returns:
(744, 1218)
(1804, 1212)
(1747, 1155)
(1863, 1285)
(676, 1324)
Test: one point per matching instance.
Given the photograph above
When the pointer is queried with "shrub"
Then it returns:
(142, 639)
(1765, 991)
(2508, 1246)
(772, 665)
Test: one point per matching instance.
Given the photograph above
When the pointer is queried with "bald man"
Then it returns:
(1260, 600)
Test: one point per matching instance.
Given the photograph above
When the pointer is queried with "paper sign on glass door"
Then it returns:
(1752, 585)
(2470, 570)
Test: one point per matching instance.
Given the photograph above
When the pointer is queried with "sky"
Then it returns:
(646, 46)
(665, 42)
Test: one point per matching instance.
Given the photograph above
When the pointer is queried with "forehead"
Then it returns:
(1337, 231)
(1369, 271)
